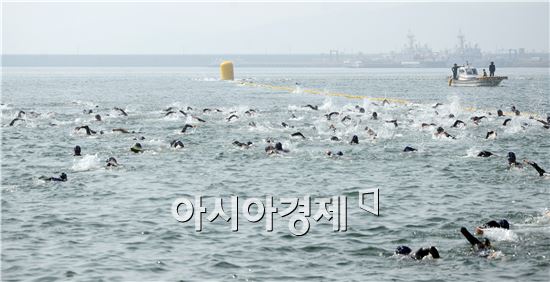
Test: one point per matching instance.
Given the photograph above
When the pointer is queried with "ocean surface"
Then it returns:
(116, 224)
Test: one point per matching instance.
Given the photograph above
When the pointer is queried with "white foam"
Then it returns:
(500, 234)
(87, 162)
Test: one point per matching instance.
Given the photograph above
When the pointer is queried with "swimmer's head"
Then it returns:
(63, 176)
(504, 224)
(77, 150)
(440, 129)
(511, 157)
(486, 243)
(278, 146)
(136, 148)
(403, 250)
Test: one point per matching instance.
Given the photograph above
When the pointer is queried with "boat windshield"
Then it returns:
(471, 71)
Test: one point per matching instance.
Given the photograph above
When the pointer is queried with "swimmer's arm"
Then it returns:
(536, 166)
(473, 240)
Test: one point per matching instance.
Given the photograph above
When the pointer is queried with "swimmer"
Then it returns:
(122, 130)
(329, 116)
(370, 132)
(242, 145)
(62, 178)
(111, 162)
(77, 151)
(409, 149)
(500, 113)
(232, 117)
(503, 223)
(428, 124)
(362, 110)
(183, 113)
(512, 161)
(457, 123)
(315, 108)
(87, 128)
(546, 124)
(136, 148)
(332, 127)
(418, 255)
(331, 154)
(250, 112)
(199, 119)
(442, 132)
(298, 134)
(437, 105)
(541, 171)
(506, 121)
(139, 138)
(176, 144)
(170, 109)
(491, 134)
(334, 138)
(97, 117)
(284, 124)
(482, 247)
(451, 116)
(207, 110)
(20, 115)
(484, 154)
(385, 102)
(169, 113)
(374, 116)
(185, 127)
(477, 119)
(394, 121)
(346, 118)
(122, 112)
(252, 124)
(354, 140)
(270, 149)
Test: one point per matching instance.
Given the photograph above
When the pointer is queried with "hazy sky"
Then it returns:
(223, 28)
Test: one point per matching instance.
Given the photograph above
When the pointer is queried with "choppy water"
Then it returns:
(116, 224)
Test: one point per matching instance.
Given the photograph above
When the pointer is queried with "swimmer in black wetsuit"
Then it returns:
(315, 108)
(418, 255)
(136, 148)
(506, 121)
(457, 123)
(491, 134)
(329, 115)
(185, 127)
(500, 113)
(62, 178)
(87, 128)
(481, 246)
(298, 134)
(442, 132)
(242, 145)
(374, 116)
(354, 140)
(232, 117)
(121, 111)
(176, 144)
(484, 154)
(503, 223)
(409, 149)
(477, 119)
(331, 154)
(111, 162)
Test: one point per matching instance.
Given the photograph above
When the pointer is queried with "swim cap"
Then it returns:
(511, 157)
(504, 224)
(403, 250)
(136, 148)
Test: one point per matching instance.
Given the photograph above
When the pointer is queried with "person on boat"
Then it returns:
(455, 71)
(492, 69)
(484, 73)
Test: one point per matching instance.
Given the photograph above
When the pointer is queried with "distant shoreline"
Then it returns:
(275, 61)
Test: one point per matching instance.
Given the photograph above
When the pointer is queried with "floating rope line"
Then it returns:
(350, 96)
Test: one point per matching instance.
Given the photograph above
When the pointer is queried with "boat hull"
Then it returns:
(478, 82)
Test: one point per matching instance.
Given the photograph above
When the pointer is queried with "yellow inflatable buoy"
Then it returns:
(226, 70)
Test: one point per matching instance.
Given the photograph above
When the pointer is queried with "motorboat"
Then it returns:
(468, 76)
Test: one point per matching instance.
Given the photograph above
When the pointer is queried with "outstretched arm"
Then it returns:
(473, 240)
(537, 167)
